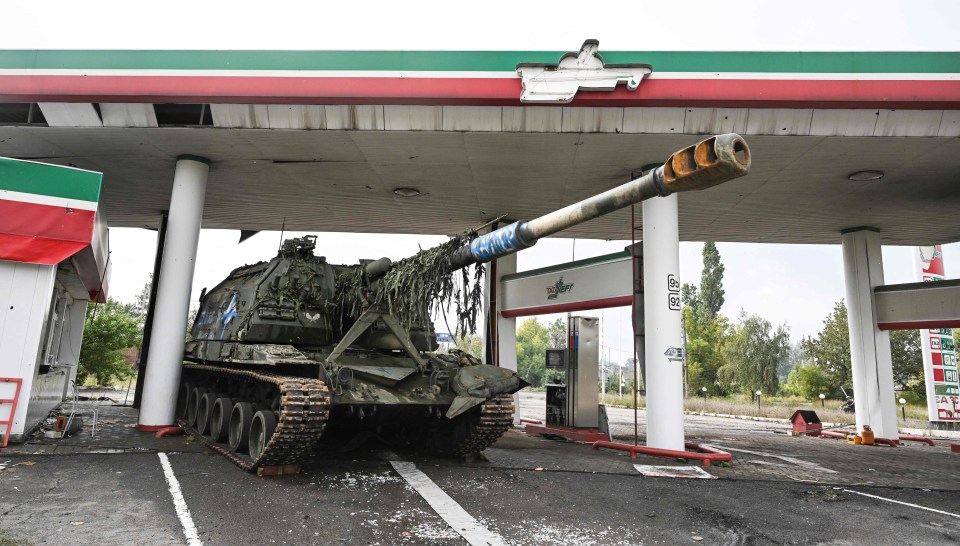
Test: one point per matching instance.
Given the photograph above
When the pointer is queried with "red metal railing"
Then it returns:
(13, 407)
(702, 452)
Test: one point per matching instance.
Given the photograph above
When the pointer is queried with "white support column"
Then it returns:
(173, 293)
(869, 346)
(506, 327)
(661, 305)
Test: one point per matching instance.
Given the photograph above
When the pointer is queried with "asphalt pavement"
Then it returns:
(527, 491)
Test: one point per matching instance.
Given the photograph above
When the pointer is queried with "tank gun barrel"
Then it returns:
(708, 163)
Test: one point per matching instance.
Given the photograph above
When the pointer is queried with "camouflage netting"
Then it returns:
(419, 287)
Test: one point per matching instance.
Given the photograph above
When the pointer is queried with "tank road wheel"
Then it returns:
(205, 411)
(444, 438)
(291, 413)
(239, 431)
(474, 430)
(261, 429)
(220, 419)
(183, 396)
(193, 403)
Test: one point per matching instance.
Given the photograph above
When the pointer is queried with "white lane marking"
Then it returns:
(447, 508)
(951, 514)
(792, 460)
(674, 471)
(180, 505)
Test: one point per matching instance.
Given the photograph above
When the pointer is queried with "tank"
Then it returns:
(295, 351)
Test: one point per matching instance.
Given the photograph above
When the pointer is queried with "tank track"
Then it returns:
(496, 417)
(303, 412)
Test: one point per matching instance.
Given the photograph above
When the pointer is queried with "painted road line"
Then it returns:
(792, 460)
(674, 472)
(180, 505)
(447, 508)
(951, 514)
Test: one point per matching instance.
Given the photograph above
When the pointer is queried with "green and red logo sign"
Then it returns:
(47, 212)
(558, 288)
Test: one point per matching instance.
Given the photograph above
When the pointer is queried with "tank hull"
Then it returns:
(368, 395)
(310, 415)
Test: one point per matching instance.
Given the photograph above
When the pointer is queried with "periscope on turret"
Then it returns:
(296, 351)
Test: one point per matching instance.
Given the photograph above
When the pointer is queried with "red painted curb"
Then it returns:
(702, 452)
(153, 428)
(843, 436)
(909, 438)
(585, 435)
(169, 431)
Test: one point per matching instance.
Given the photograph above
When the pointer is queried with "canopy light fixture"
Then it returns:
(406, 192)
(865, 176)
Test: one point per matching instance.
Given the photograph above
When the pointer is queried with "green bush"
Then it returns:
(808, 381)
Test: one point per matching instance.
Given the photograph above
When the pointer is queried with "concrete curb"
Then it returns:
(741, 417)
(951, 434)
(943, 434)
(761, 419)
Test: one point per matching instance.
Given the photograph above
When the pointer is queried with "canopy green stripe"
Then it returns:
(51, 180)
(486, 61)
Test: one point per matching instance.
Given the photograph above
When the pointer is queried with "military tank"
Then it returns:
(294, 351)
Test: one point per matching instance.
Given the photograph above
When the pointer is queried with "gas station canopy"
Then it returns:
(324, 140)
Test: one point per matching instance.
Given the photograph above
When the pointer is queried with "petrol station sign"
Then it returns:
(593, 283)
(939, 350)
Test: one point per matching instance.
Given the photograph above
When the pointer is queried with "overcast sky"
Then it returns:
(812, 25)
(792, 284)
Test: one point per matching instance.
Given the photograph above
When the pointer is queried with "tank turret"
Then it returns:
(289, 350)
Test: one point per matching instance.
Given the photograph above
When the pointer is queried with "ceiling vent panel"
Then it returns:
(128, 115)
(70, 114)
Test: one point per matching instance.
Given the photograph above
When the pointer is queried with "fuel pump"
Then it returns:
(573, 405)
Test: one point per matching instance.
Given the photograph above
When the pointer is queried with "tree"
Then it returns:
(754, 352)
(689, 295)
(612, 373)
(108, 329)
(711, 280)
(471, 344)
(704, 348)
(705, 328)
(142, 300)
(796, 358)
(907, 361)
(830, 350)
(557, 334)
(532, 340)
(808, 381)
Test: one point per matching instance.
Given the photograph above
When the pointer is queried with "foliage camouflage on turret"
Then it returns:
(419, 287)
